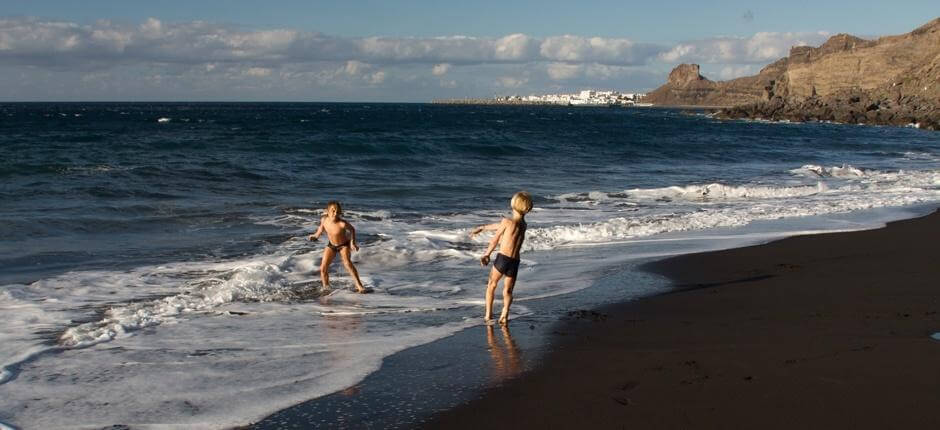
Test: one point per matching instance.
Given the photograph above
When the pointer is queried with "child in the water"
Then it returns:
(510, 233)
(341, 238)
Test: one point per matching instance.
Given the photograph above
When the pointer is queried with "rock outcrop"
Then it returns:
(893, 80)
(686, 86)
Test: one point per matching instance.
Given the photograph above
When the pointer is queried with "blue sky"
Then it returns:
(404, 50)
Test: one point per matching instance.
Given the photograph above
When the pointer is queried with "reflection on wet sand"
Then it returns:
(338, 330)
(507, 361)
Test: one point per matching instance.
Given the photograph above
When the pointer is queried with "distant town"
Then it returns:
(582, 98)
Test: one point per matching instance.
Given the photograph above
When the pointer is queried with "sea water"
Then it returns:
(155, 267)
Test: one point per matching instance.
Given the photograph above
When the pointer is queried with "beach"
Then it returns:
(156, 256)
(819, 331)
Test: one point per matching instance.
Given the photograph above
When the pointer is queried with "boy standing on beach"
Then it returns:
(510, 233)
(341, 239)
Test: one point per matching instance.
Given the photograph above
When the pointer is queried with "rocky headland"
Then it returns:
(894, 80)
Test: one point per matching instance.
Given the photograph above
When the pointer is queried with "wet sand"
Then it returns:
(822, 331)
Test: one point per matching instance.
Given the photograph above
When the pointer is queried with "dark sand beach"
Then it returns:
(822, 331)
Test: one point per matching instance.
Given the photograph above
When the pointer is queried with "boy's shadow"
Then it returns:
(507, 360)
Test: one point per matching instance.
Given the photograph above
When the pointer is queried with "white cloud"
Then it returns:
(511, 82)
(597, 49)
(376, 78)
(440, 69)
(37, 42)
(257, 72)
(762, 47)
(152, 59)
(603, 71)
(731, 72)
(514, 47)
(355, 68)
(562, 71)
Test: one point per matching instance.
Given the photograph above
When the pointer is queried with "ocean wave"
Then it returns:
(623, 228)
(682, 208)
(289, 279)
(846, 171)
(695, 192)
(248, 282)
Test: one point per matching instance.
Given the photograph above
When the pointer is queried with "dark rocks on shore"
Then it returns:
(855, 107)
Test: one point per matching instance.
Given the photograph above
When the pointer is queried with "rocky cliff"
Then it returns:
(892, 80)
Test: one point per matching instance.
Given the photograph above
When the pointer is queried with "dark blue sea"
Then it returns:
(163, 245)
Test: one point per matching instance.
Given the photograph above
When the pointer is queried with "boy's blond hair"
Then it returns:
(331, 203)
(521, 202)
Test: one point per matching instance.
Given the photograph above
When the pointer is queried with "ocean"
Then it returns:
(155, 267)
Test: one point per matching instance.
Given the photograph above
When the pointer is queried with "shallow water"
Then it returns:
(162, 266)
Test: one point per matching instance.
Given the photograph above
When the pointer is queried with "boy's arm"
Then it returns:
(500, 229)
(487, 227)
(352, 236)
(316, 236)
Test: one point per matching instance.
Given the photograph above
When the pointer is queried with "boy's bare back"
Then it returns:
(511, 234)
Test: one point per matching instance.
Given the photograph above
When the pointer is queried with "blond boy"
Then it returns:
(341, 239)
(510, 233)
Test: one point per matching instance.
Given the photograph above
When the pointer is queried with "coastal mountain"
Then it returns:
(891, 80)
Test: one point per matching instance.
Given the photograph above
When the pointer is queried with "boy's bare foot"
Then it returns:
(364, 290)
(503, 320)
(488, 321)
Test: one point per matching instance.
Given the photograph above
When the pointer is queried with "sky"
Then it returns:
(403, 51)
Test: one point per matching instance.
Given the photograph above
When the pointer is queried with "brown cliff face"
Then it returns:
(896, 77)
(686, 86)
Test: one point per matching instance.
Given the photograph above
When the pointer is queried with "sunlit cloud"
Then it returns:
(154, 59)
(732, 72)
(762, 47)
(52, 43)
(510, 82)
(440, 69)
(562, 71)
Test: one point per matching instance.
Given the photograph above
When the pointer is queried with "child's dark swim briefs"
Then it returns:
(506, 265)
(336, 248)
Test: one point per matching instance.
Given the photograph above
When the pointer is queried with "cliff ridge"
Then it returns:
(892, 80)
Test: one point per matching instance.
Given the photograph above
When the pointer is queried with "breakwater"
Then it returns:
(472, 101)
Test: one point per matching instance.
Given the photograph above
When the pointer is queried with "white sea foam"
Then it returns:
(845, 171)
(169, 342)
(721, 191)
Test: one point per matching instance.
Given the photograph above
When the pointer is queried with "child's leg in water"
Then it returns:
(347, 261)
(490, 290)
(328, 255)
(508, 284)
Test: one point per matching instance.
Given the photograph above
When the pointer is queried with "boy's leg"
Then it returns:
(328, 255)
(490, 289)
(508, 283)
(347, 261)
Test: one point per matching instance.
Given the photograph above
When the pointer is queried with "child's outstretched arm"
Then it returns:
(494, 242)
(486, 227)
(316, 236)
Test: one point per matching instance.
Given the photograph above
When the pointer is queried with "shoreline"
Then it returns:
(828, 330)
(418, 386)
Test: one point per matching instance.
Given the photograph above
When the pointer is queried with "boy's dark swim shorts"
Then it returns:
(506, 265)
